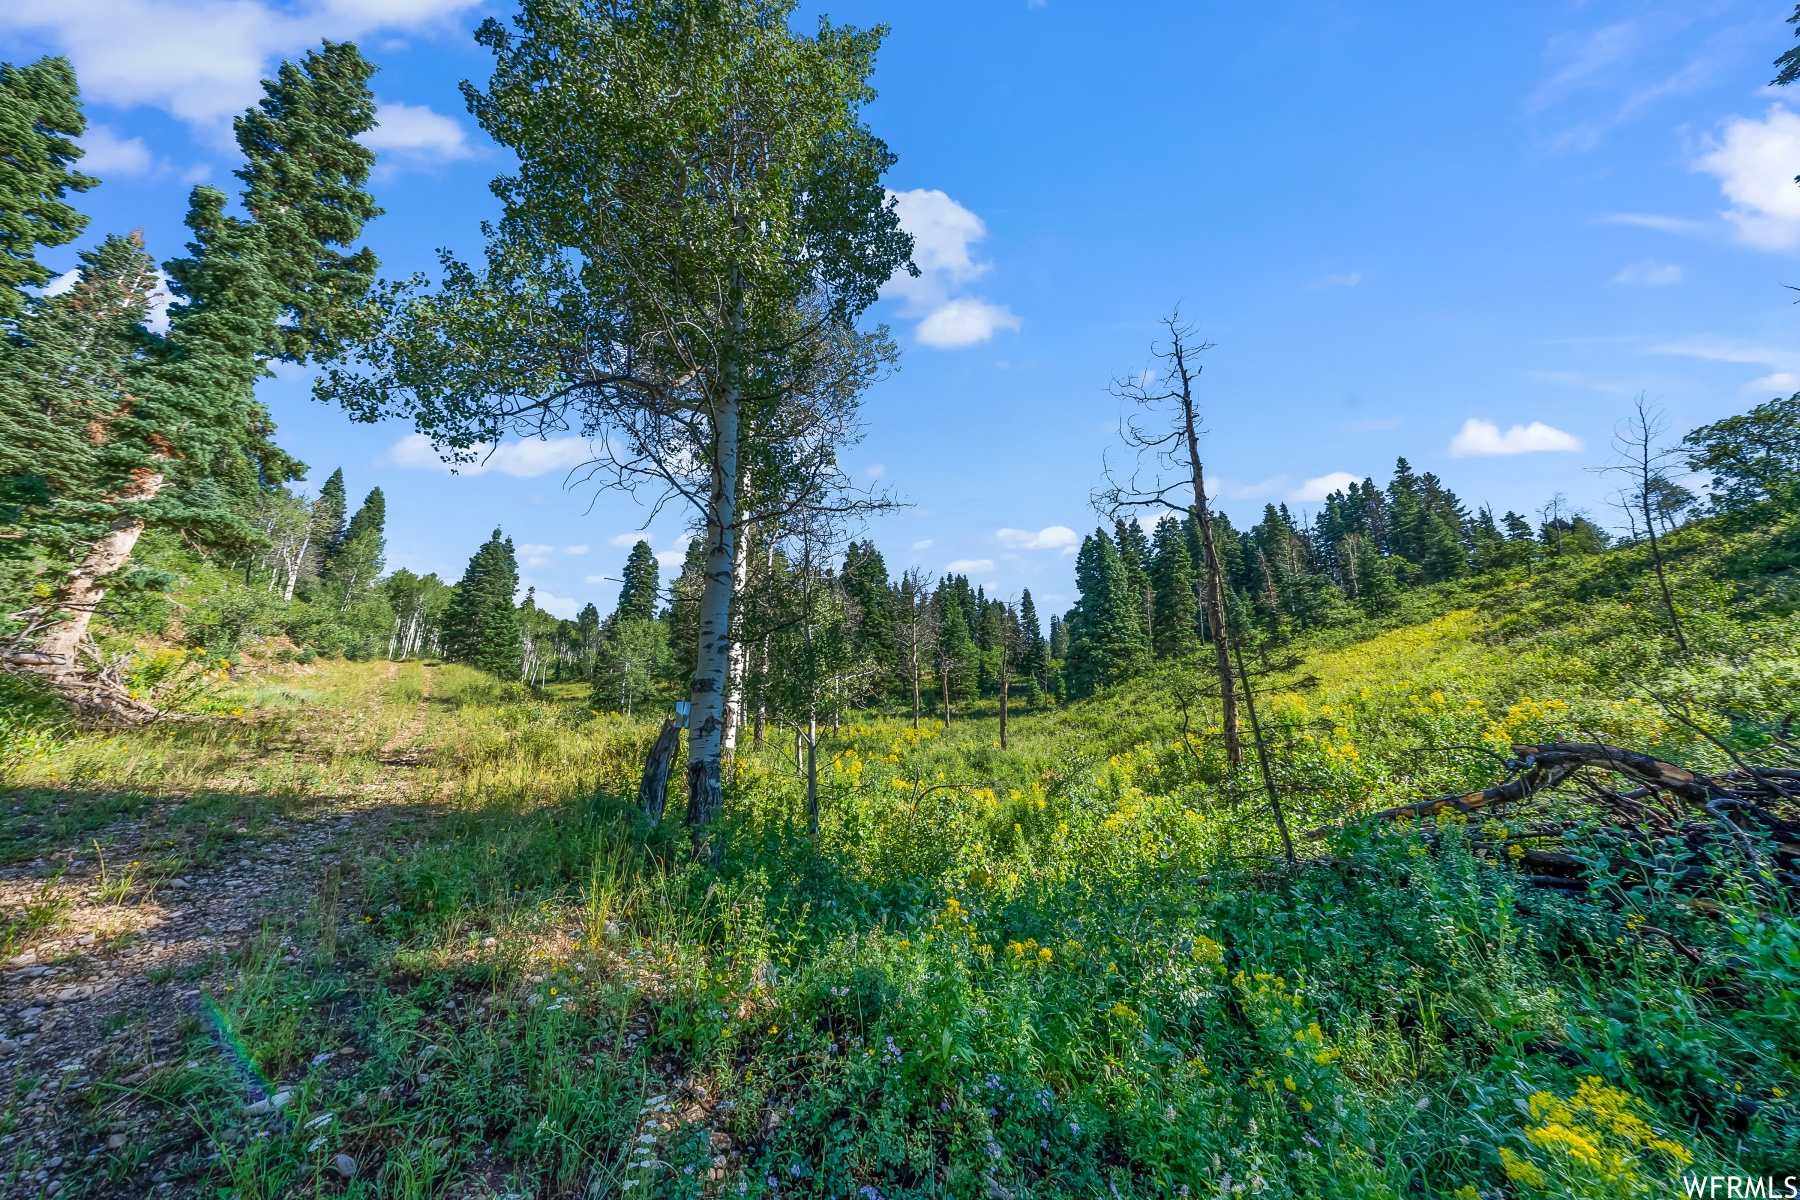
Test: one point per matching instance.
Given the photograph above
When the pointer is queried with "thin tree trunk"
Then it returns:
(739, 656)
(1662, 580)
(946, 697)
(915, 673)
(1004, 680)
(706, 798)
(1262, 757)
(80, 594)
(1214, 599)
(812, 775)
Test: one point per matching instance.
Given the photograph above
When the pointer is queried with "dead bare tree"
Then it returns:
(917, 629)
(1168, 471)
(1646, 467)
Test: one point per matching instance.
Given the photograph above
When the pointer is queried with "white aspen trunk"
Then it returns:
(294, 566)
(81, 593)
(812, 774)
(712, 664)
(738, 654)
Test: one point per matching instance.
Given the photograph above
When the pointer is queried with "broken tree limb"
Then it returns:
(1542, 767)
(653, 792)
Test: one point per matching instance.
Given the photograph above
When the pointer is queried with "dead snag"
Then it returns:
(653, 792)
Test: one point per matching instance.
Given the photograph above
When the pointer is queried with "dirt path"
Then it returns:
(96, 1009)
(402, 749)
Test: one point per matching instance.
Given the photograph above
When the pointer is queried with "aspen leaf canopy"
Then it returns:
(697, 202)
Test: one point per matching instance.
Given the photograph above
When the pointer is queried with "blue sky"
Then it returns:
(1468, 235)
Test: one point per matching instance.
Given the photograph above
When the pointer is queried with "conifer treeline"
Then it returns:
(1139, 603)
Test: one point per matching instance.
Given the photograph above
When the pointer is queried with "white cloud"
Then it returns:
(415, 136)
(1347, 280)
(1652, 221)
(623, 540)
(109, 154)
(875, 470)
(558, 606)
(970, 566)
(1051, 537)
(1755, 164)
(943, 231)
(1714, 348)
(531, 555)
(924, 545)
(1482, 438)
(522, 459)
(1228, 490)
(575, 549)
(1317, 489)
(1780, 381)
(1649, 273)
(964, 322)
(202, 61)
(672, 560)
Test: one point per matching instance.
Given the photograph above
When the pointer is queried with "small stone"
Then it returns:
(344, 1165)
(115, 1141)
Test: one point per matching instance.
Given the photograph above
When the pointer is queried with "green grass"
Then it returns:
(1071, 967)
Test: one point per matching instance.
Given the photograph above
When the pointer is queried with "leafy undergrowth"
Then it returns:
(1073, 966)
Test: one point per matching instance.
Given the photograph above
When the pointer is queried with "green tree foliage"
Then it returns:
(1106, 637)
(330, 511)
(1753, 458)
(173, 436)
(958, 660)
(356, 561)
(641, 584)
(631, 665)
(40, 115)
(1376, 589)
(418, 604)
(481, 626)
(1175, 591)
(865, 581)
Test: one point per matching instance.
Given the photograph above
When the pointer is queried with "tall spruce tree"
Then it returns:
(865, 581)
(1106, 638)
(1176, 589)
(481, 627)
(330, 512)
(1034, 651)
(183, 443)
(640, 584)
(40, 116)
(355, 562)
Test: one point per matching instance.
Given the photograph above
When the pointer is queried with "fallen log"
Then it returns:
(1541, 767)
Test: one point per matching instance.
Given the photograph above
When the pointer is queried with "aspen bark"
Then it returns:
(706, 799)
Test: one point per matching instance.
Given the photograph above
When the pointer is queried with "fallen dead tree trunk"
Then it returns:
(1742, 802)
(1540, 768)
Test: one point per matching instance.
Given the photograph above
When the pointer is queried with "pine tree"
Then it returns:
(865, 580)
(481, 627)
(190, 448)
(1106, 640)
(587, 635)
(1034, 653)
(1376, 590)
(641, 582)
(956, 653)
(355, 562)
(1175, 586)
(1134, 555)
(40, 115)
(330, 512)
